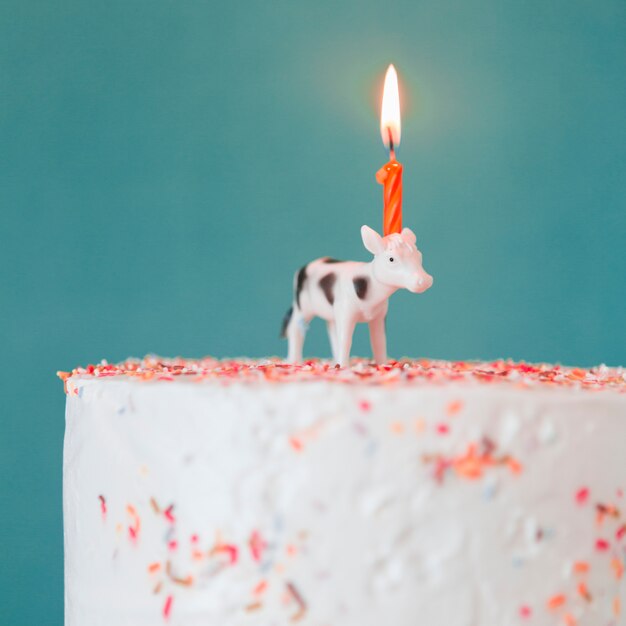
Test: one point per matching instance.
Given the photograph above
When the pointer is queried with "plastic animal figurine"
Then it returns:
(347, 292)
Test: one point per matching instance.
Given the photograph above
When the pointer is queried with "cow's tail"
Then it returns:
(286, 320)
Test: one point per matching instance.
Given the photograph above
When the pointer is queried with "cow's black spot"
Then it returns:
(327, 285)
(329, 260)
(361, 283)
(300, 283)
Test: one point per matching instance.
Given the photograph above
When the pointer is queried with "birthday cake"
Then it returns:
(258, 493)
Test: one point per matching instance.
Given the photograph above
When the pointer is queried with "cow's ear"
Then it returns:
(372, 240)
(408, 236)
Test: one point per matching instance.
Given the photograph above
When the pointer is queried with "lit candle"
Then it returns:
(390, 175)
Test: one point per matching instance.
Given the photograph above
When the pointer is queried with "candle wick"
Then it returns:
(392, 151)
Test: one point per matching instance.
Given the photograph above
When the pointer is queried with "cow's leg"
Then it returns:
(332, 336)
(296, 332)
(345, 330)
(378, 339)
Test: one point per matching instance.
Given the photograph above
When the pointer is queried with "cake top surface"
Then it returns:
(406, 371)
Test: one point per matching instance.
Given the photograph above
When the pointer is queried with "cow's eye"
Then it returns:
(391, 259)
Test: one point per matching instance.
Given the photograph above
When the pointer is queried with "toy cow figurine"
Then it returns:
(346, 292)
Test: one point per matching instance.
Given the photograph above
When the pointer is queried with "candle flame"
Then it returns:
(390, 111)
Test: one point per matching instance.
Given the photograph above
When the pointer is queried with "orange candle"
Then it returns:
(390, 175)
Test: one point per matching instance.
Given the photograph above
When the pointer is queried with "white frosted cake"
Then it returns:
(207, 493)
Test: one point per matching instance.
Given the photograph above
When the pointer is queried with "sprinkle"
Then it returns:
(525, 611)
(257, 545)
(583, 592)
(155, 506)
(133, 530)
(360, 428)
(581, 567)
(440, 469)
(443, 429)
(569, 619)
(231, 550)
(169, 515)
(621, 532)
(255, 606)
(617, 606)
(296, 444)
(420, 425)
(488, 446)
(582, 495)
(556, 601)
(397, 428)
(260, 588)
(469, 466)
(291, 550)
(365, 406)
(602, 545)
(514, 465)
(295, 594)
(194, 539)
(618, 568)
(167, 607)
(172, 545)
(185, 582)
(154, 567)
(454, 407)
(604, 510)
(103, 505)
(474, 462)
(371, 448)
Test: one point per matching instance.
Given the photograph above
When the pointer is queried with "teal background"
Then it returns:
(166, 166)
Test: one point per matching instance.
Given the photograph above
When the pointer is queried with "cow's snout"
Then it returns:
(422, 283)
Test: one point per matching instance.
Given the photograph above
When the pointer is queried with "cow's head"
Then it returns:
(397, 261)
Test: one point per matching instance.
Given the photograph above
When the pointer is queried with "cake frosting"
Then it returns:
(242, 493)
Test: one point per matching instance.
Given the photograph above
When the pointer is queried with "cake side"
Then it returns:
(354, 504)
